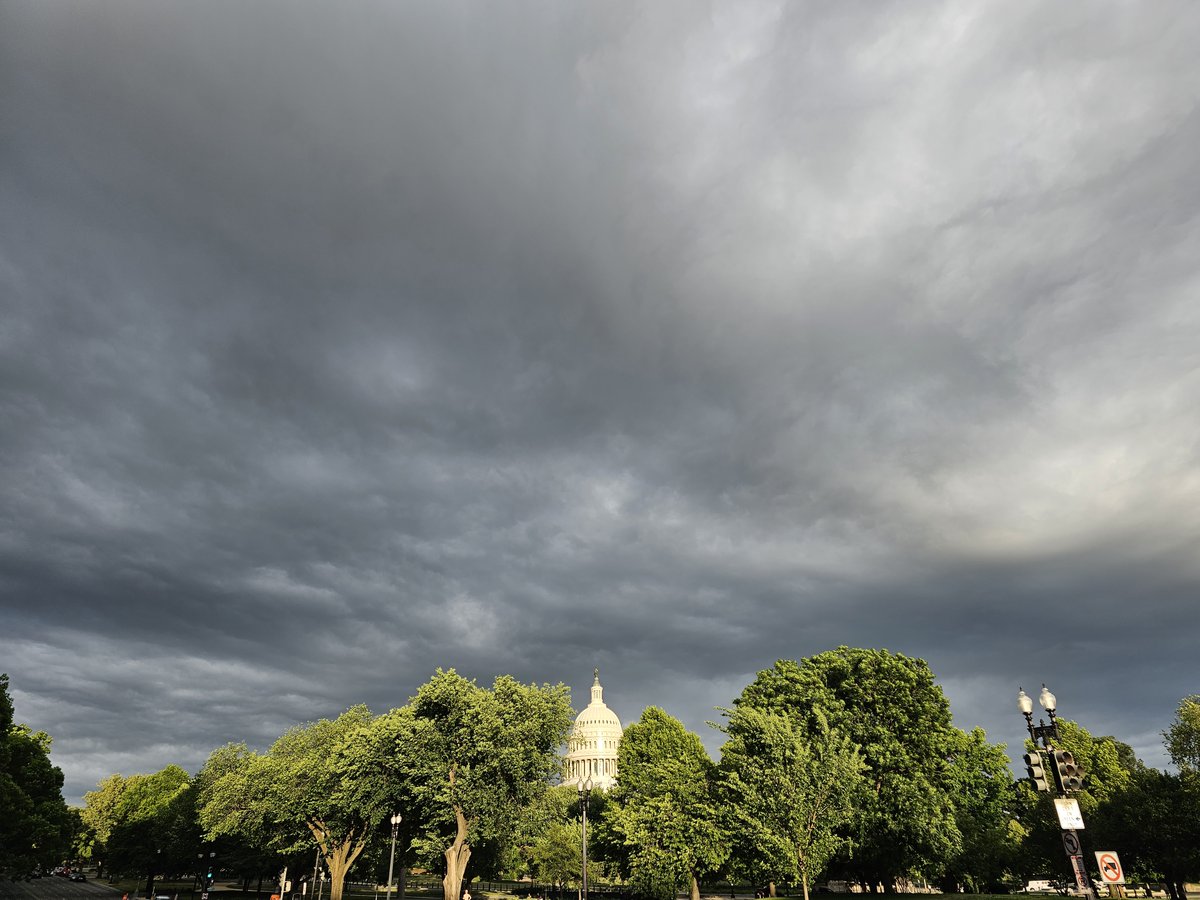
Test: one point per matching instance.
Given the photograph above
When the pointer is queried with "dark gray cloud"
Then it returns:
(342, 344)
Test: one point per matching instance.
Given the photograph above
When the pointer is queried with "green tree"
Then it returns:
(540, 831)
(148, 825)
(890, 708)
(1155, 821)
(1104, 761)
(788, 792)
(296, 792)
(1183, 736)
(36, 828)
(465, 762)
(1126, 756)
(554, 856)
(253, 851)
(662, 809)
(100, 815)
(981, 784)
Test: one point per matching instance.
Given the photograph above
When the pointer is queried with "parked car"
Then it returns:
(78, 876)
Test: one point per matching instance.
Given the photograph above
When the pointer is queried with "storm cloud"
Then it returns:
(340, 343)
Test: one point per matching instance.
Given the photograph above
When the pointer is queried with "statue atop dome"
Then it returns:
(592, 747)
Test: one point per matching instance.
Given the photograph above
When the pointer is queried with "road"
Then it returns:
(54, 887)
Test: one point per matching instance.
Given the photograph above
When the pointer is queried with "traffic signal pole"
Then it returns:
(1068, 778)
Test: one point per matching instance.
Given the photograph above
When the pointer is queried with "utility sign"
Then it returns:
(1110, 867)
(1069, 816)
(1081, 879)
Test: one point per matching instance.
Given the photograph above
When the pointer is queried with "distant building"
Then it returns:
(592, 747)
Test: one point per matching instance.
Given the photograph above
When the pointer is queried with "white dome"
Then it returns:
(592, 748)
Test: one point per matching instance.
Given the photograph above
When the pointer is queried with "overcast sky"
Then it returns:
(340, 343)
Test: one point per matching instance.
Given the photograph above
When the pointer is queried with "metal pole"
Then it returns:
(586, 791)
(392, 859)
(391, 862)
(1045, 733)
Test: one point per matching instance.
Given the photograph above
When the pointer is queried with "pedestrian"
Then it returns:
(466, 894)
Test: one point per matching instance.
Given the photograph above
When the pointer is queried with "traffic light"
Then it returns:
(1036, 767)
(1067, 772)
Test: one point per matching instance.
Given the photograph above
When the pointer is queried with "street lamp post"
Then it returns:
(1066, 777)
(396, 819)
(1040, 731)
(585, 790)
(154, 866)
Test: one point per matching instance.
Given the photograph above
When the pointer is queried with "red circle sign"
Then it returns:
(1110, 868)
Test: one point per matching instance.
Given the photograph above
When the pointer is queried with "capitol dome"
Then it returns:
(592, 748)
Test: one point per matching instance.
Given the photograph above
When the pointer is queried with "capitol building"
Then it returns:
(592, 747)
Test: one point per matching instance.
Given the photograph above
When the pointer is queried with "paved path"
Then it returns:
(54, 887)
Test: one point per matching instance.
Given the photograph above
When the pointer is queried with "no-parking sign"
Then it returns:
(1110, 867)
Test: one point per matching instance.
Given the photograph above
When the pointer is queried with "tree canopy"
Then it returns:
(985, 810)
(464, 762)
(663, 810)
(845, 764)
(36, 828)
(294, 793)
(888, 706)
(1155, 821)
(147, 823)
(1183, 735)
(787, 793)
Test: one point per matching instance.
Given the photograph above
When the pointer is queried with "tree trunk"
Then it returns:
(337, 875)
(401, 879)
(457, 855)
(804, 882)
(771, 889)
(695, 892)
(338, 857)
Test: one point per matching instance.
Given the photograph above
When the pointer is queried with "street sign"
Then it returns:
(1110, 867)
(1081, 879)
(1069, 816)
(1070, 844)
